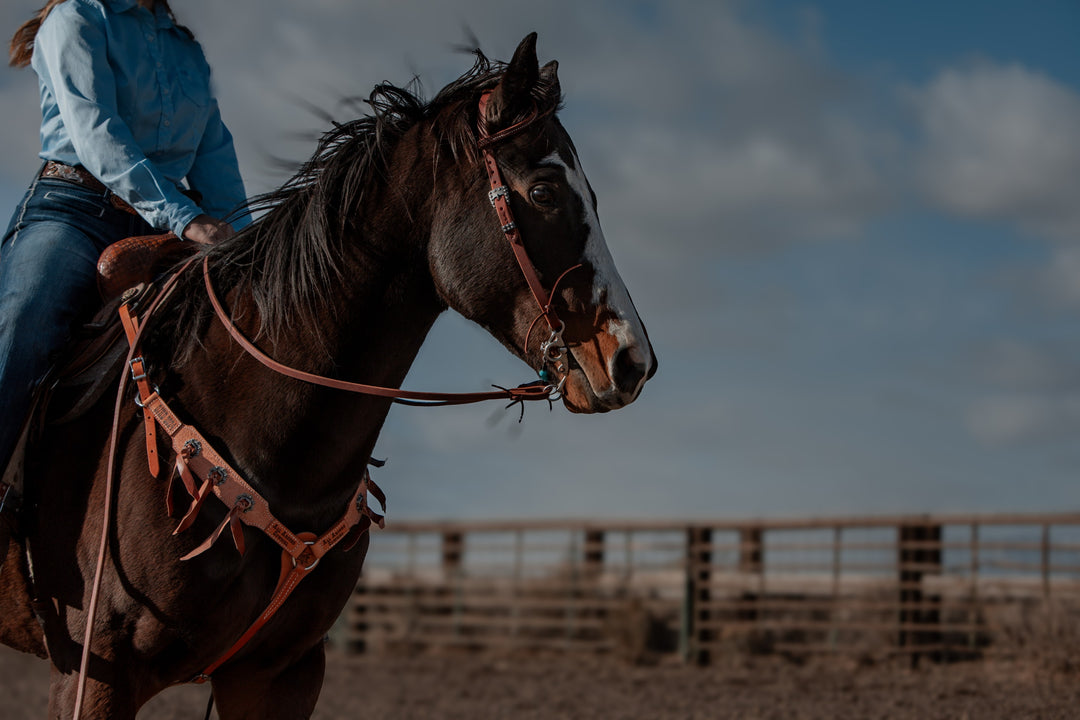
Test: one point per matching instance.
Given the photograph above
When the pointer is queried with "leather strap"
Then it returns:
(499, 197)
(301, 552)
(197, 460)
(529, 391)
(138, 374)
(500, 200)
(81, 176)
(73, 173)
(110, 481)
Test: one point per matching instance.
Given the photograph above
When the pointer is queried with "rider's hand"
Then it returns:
(207, 230)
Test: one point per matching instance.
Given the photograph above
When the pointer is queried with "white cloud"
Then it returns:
(760, 186)
(1061, 281)
(1015, 418)
(1032, 393)
(1002, 144)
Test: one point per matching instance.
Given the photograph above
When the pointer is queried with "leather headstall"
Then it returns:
(553, 350)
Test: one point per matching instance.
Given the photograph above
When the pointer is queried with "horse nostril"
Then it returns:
(629, 369)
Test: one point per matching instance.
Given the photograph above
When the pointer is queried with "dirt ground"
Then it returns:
(475, 687)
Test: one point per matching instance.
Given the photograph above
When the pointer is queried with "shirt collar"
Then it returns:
(120, 6)
(162, 19)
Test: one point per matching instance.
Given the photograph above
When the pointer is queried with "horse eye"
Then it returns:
(542, 195)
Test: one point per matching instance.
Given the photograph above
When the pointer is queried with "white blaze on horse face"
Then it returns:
(625, 327)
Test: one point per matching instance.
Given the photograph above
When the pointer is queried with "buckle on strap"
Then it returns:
(137, 373)
(499, 192)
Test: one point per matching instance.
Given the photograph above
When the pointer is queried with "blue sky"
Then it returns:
(851, 228)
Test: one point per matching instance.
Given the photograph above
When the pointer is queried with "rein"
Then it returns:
(530, 391)
(197, 460)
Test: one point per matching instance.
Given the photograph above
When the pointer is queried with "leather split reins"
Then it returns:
(204, 472)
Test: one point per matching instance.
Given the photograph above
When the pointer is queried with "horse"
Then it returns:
(388, 225)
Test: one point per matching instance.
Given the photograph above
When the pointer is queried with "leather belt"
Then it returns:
(81, 176)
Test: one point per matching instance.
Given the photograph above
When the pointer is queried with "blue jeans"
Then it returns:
(48, 285)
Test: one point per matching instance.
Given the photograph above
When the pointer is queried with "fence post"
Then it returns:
(919, 552)
(973, 607)
(515, 588)
(750, 550)
(837, 564)
(694, 639)
(356, 640)
(751, 562)
(1045, 551)
(594, 554)
(453, 550)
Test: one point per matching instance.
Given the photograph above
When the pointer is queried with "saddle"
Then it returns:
(92, 361)
(85, 371)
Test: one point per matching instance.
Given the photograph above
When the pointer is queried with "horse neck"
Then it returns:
(305, 447)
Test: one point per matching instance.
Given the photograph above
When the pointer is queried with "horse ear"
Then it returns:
(513, 95)
(549, 77)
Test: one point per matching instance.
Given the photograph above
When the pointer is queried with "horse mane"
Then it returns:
(294, 250)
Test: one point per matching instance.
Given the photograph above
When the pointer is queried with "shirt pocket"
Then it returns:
(194, 81)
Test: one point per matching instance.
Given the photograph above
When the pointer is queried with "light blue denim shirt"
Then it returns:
(126, 94)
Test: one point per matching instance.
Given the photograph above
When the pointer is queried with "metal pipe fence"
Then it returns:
(940, 586)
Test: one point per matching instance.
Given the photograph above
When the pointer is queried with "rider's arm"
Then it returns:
(216, 173)
(70, 58)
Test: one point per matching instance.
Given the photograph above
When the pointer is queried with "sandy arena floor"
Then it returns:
(473, 687)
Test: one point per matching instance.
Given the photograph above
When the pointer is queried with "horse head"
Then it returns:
(581, 331)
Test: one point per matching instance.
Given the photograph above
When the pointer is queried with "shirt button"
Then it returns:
(150, 38)
(167, 91)
(167, 123)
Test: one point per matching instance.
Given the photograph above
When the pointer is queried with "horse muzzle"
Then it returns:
(608, 372)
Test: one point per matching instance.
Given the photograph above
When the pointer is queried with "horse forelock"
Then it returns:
(294, 250)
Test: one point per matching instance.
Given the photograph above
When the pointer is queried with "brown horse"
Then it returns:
(388, 225)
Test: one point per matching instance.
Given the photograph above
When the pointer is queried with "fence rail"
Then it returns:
(921, 585)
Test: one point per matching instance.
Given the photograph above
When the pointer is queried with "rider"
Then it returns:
(127, 114)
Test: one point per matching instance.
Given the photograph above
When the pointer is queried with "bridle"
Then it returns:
(553, 371)
(553, 363)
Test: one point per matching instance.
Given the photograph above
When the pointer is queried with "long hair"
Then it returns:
(21, 49)
(22, 44)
